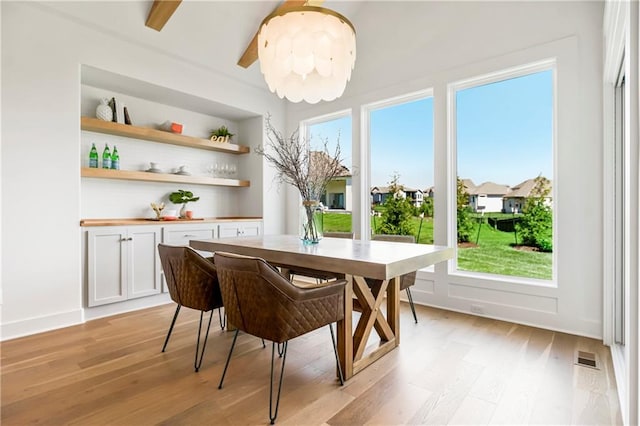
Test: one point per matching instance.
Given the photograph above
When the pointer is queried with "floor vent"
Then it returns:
(586, 359)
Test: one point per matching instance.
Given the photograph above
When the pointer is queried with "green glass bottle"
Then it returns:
(106, 157)
(93, 157)
(115, 159)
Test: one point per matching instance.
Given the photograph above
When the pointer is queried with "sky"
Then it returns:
(504, 135)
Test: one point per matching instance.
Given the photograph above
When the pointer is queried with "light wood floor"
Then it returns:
(450, 368)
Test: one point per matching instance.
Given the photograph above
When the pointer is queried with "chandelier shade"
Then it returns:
(307, 53)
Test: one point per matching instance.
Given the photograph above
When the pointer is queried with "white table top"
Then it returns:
(373, 259)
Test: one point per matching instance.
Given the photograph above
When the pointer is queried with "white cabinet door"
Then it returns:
(144, 261)
(239, 229)
(107, 265)
(122, 263)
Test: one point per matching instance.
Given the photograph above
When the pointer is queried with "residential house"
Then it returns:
(338, 195)
(514, 200)
(487, 197)
(60, 58)
(380, 193)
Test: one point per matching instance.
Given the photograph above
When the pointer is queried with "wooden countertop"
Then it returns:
(143, 221)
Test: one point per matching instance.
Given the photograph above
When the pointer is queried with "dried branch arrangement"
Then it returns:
(296, 163)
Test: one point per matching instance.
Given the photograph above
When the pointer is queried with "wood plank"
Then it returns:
(160, 12)
(160, 177)
(111, 371)
(146, 133)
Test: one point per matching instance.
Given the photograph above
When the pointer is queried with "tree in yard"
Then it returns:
(465, 223)
(397, 213)
(535, 227)
(427, 207)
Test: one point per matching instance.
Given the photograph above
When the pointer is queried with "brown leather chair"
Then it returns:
(260, 301)
(193, 282)
(407, 280)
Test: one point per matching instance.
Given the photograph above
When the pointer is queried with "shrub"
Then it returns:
(536, 226)
(465, 222)
(397, 213)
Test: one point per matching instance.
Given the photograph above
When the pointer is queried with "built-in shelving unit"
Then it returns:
(160, 177)
(149, 134)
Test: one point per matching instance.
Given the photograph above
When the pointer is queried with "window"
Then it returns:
(504, 130)
(338, 198)
(401, 172)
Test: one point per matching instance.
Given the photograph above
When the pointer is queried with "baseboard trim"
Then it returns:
(27, 327)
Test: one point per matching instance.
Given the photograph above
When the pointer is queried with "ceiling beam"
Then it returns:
(250, 55)
(160, 13)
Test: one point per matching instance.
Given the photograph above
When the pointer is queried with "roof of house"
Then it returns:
(523, 189)
(322, 156)
(386, 189)
(490, 188)
(468, 185)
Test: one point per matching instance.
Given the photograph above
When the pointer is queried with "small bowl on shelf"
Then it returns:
(170, 215)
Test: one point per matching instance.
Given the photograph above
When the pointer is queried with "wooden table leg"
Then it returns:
(393, 307)
(345, 331)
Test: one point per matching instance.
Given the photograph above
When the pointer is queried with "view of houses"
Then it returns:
(486, 197)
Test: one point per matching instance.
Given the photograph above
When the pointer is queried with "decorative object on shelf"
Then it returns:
(127, 118)
(115, 159)
(170, 126)
(182, 170)
(93, 156)
(114, 110)
(158, 209)
(308, 170)
(104, 111)
(221, 134)
(106, 157)
(307, 53)
(188, 214)
(182, 197)
(153, 168)
(169, 215)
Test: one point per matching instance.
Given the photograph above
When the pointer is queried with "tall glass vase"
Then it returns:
(311, 222)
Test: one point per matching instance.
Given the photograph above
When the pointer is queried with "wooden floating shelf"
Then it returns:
(160, 177)
(149, 134)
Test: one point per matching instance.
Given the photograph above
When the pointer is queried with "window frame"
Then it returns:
(549, 64)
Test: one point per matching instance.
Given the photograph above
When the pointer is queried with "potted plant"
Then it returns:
(221, 134)
(182, 197)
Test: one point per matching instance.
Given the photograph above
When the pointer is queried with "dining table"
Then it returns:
(383, 261)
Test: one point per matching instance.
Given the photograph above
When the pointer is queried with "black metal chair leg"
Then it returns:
(335, 351)
(197, 363)
(280, 349)
(413, 308)
(222, 318)
(224, 372)
(272, 414)
(175, 316)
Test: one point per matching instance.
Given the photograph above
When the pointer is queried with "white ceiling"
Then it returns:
(208, 34)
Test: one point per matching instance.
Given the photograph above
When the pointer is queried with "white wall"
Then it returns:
(42, 55)
(438, 43)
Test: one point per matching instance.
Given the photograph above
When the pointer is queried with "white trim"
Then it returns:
(548, 64)
(365, 151)
(26, 327)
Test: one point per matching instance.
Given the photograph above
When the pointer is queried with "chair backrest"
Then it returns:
(192, 280)
(407, 279)
(261, 302)
(347, 235)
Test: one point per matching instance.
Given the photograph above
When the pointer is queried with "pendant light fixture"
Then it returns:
(307, 53)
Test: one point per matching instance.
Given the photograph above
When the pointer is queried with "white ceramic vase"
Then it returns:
(103, 111)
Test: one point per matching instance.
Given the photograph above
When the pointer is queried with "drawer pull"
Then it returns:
(188, 235)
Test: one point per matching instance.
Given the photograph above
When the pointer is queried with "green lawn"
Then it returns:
(494, 253)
